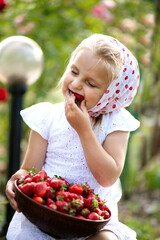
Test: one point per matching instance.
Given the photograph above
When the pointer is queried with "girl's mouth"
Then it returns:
(79, 98)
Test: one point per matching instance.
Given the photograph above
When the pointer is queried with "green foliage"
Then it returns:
(152, 175)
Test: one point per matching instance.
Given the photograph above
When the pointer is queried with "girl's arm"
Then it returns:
(105, 162)
(34, 157)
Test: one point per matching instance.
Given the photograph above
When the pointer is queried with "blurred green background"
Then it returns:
(58, 26)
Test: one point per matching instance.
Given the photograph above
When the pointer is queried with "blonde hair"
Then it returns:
(102, 46)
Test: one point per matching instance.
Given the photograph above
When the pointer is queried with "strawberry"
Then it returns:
(76, 188)
(28, 180)
(71, 196)
(48, 181)
(98, 211)
(52, 206)
(38, 199)
(50, 192)
(58, 184)
(31, 173)
(91, 195)
(93, 216)
(105, 214)
(21, 180)
(84, 212)
(62, 206)
(36, 178)
(62, 195)
(80, 216)
(40, 189)
(102, 205)
(106, 208)
(66, 182)
(26, 188)
(86, 189)
(77, 204)
(43, 175)
(91, 203)
(78, 97)
(72, 211)
(28, 176)
(50, 201)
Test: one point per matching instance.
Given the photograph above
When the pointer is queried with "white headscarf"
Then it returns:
(122, 90)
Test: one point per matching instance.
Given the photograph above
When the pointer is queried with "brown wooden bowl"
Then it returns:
(53, 222)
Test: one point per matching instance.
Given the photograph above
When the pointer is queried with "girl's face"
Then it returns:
(86, 76)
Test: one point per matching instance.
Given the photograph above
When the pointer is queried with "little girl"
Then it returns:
(84, 138)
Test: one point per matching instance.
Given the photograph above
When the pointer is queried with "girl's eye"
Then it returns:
(74, 72)
(90, 84)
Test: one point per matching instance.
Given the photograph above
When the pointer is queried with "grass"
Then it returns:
(2, 213)
(141, 213)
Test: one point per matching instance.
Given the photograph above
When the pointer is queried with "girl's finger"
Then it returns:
(83, 106)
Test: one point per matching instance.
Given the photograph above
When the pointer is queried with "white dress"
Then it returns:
(65, 158)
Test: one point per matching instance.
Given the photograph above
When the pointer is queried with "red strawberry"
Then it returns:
(72, 211)
(91, 203)
(28, 175)
(93, 216)
(91, 195)
(76, 188)
(66, 182)
(78, 97)
(52, 206)
(62, 195)
(43, 175)
(80, 216)
(77, 204)
(28, 180)
(50, 192)
(48, 181)
(21, 180)
(38, 199)
(105, 214)
(98, 211)
(31, 173)
(84, 212)
(71, 196)
(50, 201)
(62, 206)
(102, 205)
(58, 184)
(86, 189)
(106, 208)
(40, 189)
(26, 188)
(36, 178)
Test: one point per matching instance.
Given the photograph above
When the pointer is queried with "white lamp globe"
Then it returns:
(21, 60)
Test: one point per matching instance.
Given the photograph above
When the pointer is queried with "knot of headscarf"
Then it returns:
(122, 90)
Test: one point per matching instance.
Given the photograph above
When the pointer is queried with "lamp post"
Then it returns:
(21, 64)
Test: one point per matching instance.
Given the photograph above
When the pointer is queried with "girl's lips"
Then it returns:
(77, 96)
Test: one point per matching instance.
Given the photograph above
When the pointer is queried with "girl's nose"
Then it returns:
(76, 84)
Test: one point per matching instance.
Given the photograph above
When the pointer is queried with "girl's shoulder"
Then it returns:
(41, 116)
(120, 120)
(43, 108)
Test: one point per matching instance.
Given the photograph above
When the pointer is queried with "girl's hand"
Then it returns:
(10, 191)
(77, 115)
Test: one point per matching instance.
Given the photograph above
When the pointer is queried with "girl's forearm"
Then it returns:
(102, 165)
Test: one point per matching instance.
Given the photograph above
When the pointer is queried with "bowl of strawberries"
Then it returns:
(59, 208)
